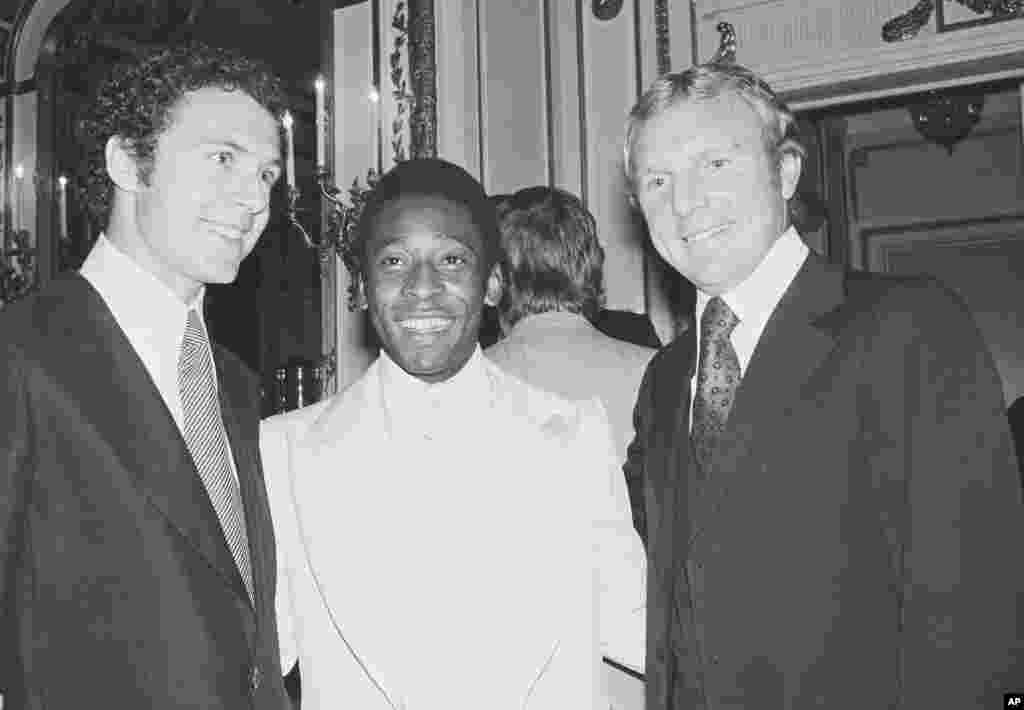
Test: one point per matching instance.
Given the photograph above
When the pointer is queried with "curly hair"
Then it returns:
(136, 101)
(552, 259)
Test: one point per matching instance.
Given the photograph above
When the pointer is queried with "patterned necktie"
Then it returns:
(208, 442)
(718, 378)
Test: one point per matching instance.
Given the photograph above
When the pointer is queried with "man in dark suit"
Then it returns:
(822, 516)
(137, 564)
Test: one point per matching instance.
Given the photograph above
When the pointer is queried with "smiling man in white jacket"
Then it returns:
(448, 535)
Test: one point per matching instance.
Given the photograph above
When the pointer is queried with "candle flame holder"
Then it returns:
(17, 266)
(338, 236)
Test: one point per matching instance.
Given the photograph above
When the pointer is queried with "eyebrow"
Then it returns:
(460, 237)
(238, 148)
(389, 239)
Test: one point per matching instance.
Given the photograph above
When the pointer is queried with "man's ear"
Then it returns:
(790, 167)
(121, 165)
(495, 286)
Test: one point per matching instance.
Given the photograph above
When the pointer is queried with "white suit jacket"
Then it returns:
(489, 577)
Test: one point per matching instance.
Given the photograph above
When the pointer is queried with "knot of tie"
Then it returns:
(718, 320)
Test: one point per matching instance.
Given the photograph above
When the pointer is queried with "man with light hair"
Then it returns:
(824, 476)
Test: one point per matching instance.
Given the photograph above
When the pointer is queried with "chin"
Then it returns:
(224, 273)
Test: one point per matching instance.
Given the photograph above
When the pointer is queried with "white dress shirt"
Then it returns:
(754, 300)
(150, 315)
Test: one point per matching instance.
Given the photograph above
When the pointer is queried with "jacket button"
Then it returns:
(714, 660)
(255, 678)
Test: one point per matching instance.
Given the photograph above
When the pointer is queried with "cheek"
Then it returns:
(469, 290)
(379, 296)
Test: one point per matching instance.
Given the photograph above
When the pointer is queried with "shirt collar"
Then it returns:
(150, 314)
(413, 403)
(754, 299)
(551, 320)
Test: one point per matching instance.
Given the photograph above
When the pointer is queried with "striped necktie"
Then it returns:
(208, 442)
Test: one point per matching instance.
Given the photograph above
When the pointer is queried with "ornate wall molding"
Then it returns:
(836, 54)
(423, 76)
(661, 37)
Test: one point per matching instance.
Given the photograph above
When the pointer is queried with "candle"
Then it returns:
(375, 127)
(19, 176)
(62, 206)
(289, 137)
(321, 125)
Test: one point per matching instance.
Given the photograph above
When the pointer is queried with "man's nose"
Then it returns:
(423, 281)
(251, 191)
(687, 195)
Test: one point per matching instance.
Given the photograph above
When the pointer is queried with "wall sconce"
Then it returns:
(18, 270)
(338, 235)
(945, 118)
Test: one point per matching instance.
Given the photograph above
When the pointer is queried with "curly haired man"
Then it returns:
(136, 552)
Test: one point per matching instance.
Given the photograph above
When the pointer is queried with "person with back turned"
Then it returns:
(552, 289)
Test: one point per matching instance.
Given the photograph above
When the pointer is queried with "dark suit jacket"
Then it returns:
(851, 545)
(632, 327)
(118, 588)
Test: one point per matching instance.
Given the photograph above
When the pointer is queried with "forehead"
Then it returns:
(426, 217)
(693, 126)
(213, 115)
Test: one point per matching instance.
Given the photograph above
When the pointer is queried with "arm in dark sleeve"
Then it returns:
(964, 523)
(633, 468)
(14, 470)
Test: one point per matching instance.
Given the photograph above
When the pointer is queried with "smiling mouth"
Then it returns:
(706, 234)
(426, 326)
(226, 231)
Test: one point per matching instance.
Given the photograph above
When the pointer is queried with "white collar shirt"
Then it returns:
(422, 410)
(755, 299)
(150, 315)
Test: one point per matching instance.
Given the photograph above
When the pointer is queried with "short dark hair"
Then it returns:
(552, 259)
(136, 101)
(437, 178)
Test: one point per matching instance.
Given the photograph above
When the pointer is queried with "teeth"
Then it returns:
(225, 231)
(424, 325)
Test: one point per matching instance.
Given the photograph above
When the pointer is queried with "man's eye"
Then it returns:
(718, 163)
(655, 182)
(390, 262)
(454, 260)
(224, 157)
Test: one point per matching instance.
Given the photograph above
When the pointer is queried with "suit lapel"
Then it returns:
(116, 396)
(243, 438)
(788, 352)
(671, 468)
(330, 480)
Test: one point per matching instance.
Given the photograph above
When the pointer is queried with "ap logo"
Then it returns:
(1014, 700)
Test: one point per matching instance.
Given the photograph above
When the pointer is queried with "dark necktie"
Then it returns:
(718, 378)
(208, 442)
